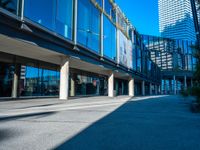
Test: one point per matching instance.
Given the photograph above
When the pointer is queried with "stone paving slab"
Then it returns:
(100, 123)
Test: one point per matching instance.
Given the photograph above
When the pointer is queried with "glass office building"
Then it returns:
(72, 48)
(176, 20)
(176, 60)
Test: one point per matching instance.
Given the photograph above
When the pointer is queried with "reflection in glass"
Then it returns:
(88, 25)
(10, 5)
(90, 85)
(39, 82)
(6, 79)
(55, 15)
(64, 18)
(139, 60)
(109, 39)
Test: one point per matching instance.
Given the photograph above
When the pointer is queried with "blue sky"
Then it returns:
(143, 14)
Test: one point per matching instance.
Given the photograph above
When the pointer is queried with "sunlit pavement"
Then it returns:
(142, 123)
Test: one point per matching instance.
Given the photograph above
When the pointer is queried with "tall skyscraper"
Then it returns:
(176, 19)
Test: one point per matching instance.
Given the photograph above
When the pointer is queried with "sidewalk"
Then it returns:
(100, 123)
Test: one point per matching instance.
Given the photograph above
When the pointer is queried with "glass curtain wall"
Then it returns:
(121, 87)
(109, 39)
(88, 25)
(171, 54)
(134, 61)
(39, 82)
(55, 15)
(10, 5)
(86, 85)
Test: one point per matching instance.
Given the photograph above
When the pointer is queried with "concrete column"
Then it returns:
(111, 85)
(165, 87)
(156, 89)
(143, 88)
(72, 92)
(174, 80)
(117, 87)
(150, 89)
(122, 88)
(131, 87)
(64, 79)
(191, 83)
(170, 86)
(185, 82)
(159, 89)
(15, 82)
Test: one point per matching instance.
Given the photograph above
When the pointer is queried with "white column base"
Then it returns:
(174, 80)
(185, 82)
(64, 79)
(150, 89)
(131, 87)
(111, 85)
(143, 88)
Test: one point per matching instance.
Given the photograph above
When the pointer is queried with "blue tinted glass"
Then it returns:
(134, 58)
(31, 72)
(99, 2)
(109, 39)
(39, 82)
(88, 25)
(64, 18)
(42, 12)
(55, 15)
(108, 7)
(10, 5)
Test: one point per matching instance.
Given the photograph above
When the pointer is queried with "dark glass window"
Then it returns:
(10, 5)
(88, 25)
(39, 82)
(109, 39)
(6, 79)
(90, 85)
(139, 60)
(134, 58)
(55, 15)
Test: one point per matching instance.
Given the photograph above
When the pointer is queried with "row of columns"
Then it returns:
(64, 82)
(185, 86)
(64, 85)
(111, 86)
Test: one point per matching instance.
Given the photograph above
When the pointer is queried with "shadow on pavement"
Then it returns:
(153, 124)
(6, 134)
(9, 118)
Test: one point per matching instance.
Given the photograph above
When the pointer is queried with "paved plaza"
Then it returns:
(100, 123)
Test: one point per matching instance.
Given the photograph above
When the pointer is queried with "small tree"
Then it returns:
(196, 89)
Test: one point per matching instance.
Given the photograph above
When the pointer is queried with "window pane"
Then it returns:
(6, 79)
(55, 15)
(10, 5)
(88, 25)
(39, 82)
(64, 18)
(42, 12)
(109, 39)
